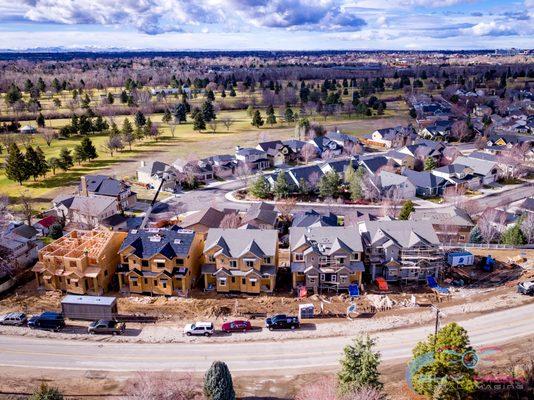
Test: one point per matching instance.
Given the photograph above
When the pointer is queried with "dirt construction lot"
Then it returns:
(160, 319)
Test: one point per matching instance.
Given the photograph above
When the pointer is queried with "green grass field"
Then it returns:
(185, 143)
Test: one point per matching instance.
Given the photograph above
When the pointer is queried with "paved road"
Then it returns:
(244, 357)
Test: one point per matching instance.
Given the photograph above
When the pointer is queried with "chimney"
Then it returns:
(83, 187)
(143, 164)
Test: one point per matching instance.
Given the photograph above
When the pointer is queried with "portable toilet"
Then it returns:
(306, 311)
(460, 258)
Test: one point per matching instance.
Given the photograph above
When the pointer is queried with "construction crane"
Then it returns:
(151, 206)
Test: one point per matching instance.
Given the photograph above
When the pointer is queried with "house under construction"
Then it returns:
(81, 262)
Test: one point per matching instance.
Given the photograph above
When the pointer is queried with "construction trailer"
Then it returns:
(90, 308)
(457, 258)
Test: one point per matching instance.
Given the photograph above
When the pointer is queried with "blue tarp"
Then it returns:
(434, 285)
(354, 290)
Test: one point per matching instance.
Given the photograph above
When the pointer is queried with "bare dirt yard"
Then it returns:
(163, 318)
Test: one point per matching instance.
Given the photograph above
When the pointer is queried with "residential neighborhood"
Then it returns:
(273, 219)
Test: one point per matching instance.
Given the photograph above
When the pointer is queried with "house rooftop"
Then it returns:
(326, 239)
(445, 216)
(236, 243)
(170, 243)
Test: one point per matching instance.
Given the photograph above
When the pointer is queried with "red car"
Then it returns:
(236, 326)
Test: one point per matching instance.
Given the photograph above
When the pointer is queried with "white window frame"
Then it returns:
(232, 262)
(298, 257)
(222, 281)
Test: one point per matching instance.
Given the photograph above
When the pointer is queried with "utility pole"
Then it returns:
(438, 311)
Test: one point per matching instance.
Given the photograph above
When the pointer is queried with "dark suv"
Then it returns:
(48, 320)
(282, 322)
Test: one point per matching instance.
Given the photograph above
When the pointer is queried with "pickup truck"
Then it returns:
(282, 322)
(106, 327)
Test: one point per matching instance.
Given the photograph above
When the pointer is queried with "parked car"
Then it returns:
(199, 329)
(107, 327)
(236, 326)
(14, 318)
(526, 287)
(48, 320)
(282, 322)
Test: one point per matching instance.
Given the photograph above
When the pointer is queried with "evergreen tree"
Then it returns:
(100, 124)
(208, 112)
(259, 187)
(271, 118)
(114, 129)
(430, 164)
(281, 187)
(127, 127)
(167, 116)
(406, 210)
(139, 118)
(35, 163)
(223, 94)
(475, 236)
(55, 231)
(289, 116)
(110, 98)
(46, 393)
(198, 123)
(78, 156)
(180, 113)
(210, 95)
(514, 235)
(257, 120)
(446, 354)
(88, 149)
(232, 92)
(124, 97)
(359, 366)
(13, 94)
(447, 389)
(355, 184)
(413, 113)
(218, 383)
(43, 164)
(40, 120)
(329, 184)
(16, 166)
(65, 159)
(53, 162)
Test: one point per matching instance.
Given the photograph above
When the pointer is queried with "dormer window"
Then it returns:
(298, 257)
(233, 264)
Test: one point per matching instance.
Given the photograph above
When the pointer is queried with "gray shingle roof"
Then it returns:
(104, 185)
(424, 179)
(170, 243)
(313, 218)
(233, 242)
(326, 239)
(447, 216)
(405, 233)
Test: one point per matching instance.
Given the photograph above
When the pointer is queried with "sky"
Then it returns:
(267, 24)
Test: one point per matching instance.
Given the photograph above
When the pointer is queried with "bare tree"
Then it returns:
(286, 207)
(480, 142)
(162, 386)
(243, 172)
(313, 180)
(308, 152)
(227, 122)
(213, 124)
(112, 144)
(26, 203)
(490, 224)
(455, 194)
(391, 202)
(231, 221)
(449, 155)
(460, 130)
(48, 135)
(527, 227)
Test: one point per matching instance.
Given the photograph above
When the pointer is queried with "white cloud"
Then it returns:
(491, 28)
